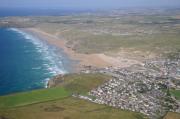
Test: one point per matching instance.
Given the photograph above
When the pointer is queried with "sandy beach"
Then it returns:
(95, 60)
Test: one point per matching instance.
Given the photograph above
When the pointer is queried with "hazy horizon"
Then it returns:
(87, 4)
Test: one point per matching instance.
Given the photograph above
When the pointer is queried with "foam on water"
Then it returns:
(50, 55)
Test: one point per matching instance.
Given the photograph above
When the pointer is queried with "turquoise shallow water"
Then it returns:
(26, 62)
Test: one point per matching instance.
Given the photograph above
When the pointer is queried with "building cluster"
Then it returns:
(140, 88)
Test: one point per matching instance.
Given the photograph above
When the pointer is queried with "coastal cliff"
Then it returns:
(55, 81)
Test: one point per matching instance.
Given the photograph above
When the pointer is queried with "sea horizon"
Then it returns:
(5, 12)
(12, 12)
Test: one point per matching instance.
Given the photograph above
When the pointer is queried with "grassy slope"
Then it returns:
(55, 103)
(82, 83)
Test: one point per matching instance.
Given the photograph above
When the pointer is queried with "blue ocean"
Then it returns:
(27, 62)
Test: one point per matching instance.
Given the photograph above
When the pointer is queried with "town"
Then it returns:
(141, 88)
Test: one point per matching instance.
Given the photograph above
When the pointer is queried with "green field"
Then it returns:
(176, 94)
(26, 98)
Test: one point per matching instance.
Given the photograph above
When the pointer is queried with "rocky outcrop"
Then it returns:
(55, 81)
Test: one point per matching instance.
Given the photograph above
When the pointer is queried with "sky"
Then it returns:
(86, 4)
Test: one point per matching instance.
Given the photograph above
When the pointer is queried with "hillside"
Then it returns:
(58, 103)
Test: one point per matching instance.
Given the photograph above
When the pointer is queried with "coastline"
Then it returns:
(34, 63)
(94, 60)
(68, 65)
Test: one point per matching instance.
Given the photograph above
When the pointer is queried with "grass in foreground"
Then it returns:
(55, 103)
(68, 108)
(73, 83)
(26, 98)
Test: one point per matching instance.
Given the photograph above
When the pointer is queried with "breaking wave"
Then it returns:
(52, 59)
